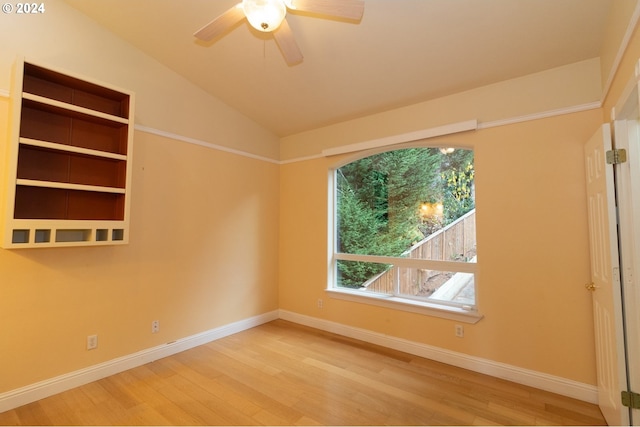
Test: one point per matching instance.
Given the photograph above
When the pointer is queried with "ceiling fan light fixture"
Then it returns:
(264, 15)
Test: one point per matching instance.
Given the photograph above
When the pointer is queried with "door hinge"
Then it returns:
(631, 399)
(615, 157)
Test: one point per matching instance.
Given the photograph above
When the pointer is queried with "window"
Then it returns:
(404, 229)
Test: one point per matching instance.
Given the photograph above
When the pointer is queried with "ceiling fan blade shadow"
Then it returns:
(287, 44)
(221, 24)
(348, 9)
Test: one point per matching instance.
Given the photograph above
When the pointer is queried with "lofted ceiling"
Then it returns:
(400, 53)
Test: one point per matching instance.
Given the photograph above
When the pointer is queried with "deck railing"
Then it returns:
(455, 242)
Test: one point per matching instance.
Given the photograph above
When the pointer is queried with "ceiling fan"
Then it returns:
(269, 16)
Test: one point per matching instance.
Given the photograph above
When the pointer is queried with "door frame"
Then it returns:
(626, 123)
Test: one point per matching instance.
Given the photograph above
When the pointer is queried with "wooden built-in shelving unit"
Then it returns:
(69, 161)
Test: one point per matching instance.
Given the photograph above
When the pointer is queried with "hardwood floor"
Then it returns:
(281, 373)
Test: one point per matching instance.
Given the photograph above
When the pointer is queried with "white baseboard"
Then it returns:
(539, 380)
(31, 393)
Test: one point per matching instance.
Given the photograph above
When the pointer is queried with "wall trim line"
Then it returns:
(302, 159)
(462, 127)
(4, 93)
(202, 143)
(539, 380)
(365, 144)
(541, 115)
(397, 139)
(33, 392)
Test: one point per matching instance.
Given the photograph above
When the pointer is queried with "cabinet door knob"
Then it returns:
(590, 286)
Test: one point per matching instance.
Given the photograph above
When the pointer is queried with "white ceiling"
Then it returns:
(402, 52)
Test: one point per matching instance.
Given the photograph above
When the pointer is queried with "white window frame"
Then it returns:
(458, 312)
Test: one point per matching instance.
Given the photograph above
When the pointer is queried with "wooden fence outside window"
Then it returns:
(455, 242)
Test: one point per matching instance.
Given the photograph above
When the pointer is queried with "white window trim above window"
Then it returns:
(406, 137)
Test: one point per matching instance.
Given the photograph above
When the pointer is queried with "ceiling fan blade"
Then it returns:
(221, 24)
(287, 44)
(349, 9)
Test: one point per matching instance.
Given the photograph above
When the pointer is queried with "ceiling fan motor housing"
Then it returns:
(264, 15)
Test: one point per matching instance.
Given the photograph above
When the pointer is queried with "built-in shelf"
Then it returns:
(58, 106)
(71, 149)
(69, 172)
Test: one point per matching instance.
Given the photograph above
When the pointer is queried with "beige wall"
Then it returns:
(203, 243)
(532, 250)
(202, 254)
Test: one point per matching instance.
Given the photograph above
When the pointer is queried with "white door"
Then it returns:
(627, 137)
(605, 276)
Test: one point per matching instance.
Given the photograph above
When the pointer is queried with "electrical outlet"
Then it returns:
(320, 303)
(459, 331)
(92, 342)
(155, 326)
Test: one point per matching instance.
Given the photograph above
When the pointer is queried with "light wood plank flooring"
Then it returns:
(281, 373)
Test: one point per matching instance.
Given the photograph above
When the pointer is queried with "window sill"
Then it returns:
(412, 306)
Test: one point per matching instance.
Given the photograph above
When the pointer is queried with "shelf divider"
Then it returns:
(71, 149)
(67, 186)
(73, 108)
